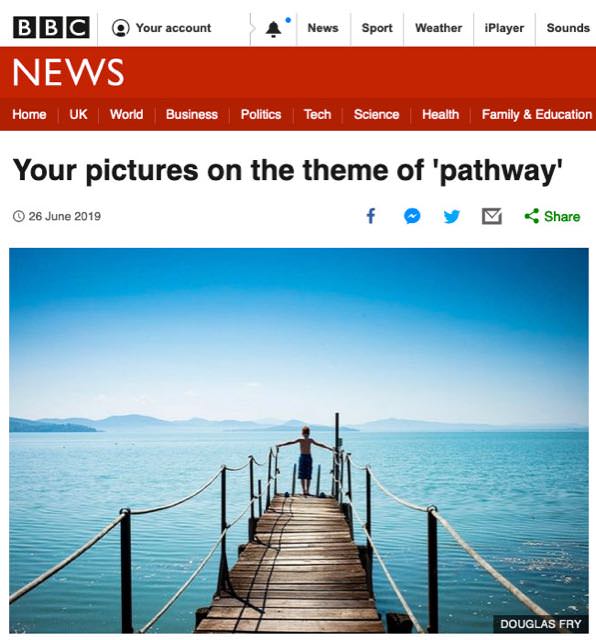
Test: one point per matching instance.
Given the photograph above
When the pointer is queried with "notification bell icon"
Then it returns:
(273, 30)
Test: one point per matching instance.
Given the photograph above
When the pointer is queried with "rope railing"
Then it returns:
(339, 491)
(499, 577)
(251, 502)
(433, 515)
(356, 466)
(396, 590)
(170, 505)
(123, 520)
(185, 586)
(240, 468)
(402, 501)
(201, 565)
(259, 464)
(64, 563)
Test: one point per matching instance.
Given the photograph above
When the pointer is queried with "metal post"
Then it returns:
(433, 573)
(349, 472)
(268, 500)
(126, 572)
(349, 506)
(251, 522)
(368, 526)
(260, 488)
(252, 487)
(223, 577)
(319, 480)
(335, 458)
(341, 478)
(294, 480)
(332, 491)
(368, 507)
(275, 473)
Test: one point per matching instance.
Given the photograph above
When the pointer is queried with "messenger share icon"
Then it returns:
(412, 215)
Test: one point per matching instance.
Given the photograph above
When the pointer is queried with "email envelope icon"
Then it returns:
(492, 215)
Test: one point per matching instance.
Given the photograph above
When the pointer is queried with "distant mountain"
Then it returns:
(396, 425)
(141, 421)
(128, 420)
(20, 425)
(386, 425)
(268, 422)
(293, 423)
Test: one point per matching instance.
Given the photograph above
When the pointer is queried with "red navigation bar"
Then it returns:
(297, 89)
(287, 115)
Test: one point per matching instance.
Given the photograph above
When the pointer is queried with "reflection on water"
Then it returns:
(520, 499)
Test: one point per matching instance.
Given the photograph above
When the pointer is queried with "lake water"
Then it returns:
(521, 499)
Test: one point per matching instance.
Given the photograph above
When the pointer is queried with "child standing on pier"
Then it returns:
(305, 460)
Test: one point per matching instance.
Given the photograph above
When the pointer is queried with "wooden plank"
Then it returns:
(297, 562)
(302, 575)
(304, 541)
(298, 593)
(299, 499)
(301, 603)
(304, 517)
(303, 506)
(350, 568)
(294, 613)
(303, 514)
(296, 571)
(337, 551)
(319, 588)
(303, 538)
(292, 580)
(334, 513)
(300, 559)
(300, 555)
(291, 626)
(249, 567)
(301, 526)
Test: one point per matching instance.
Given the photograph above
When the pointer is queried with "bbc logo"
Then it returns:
(51, 27)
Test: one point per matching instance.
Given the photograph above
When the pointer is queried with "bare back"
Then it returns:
(305, 445)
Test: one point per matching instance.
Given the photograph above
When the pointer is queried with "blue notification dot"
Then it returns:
(288, 20)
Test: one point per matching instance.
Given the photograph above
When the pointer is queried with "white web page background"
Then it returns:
(299, 213)
(292, 214)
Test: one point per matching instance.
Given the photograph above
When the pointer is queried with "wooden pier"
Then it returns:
(301, 571)
(301, 574)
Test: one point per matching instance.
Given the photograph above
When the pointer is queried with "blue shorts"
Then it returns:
(305, 466)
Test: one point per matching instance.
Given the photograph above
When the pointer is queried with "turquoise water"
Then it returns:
(521, 499)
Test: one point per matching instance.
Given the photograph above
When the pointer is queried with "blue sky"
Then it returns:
(495, 336)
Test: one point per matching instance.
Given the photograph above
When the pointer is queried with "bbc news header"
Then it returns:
(201, 88)
(414, 27)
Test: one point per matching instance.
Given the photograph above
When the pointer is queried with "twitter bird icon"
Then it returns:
(451, 216)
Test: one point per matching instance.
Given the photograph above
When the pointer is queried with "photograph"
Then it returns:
(297, 440)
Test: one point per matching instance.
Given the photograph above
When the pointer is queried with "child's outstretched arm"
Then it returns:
(285, 444)
(320, 444)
